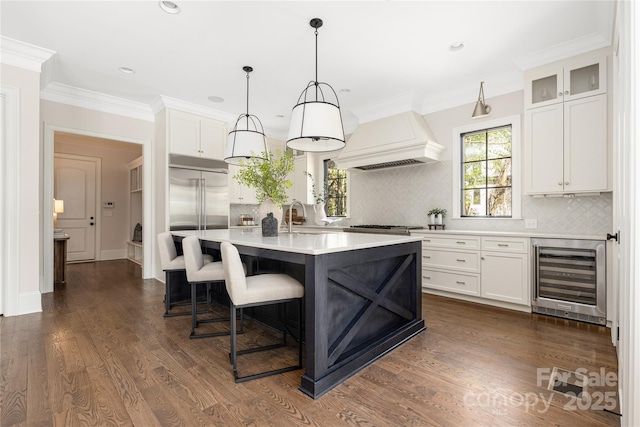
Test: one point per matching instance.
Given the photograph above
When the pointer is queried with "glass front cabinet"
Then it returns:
(546, 86)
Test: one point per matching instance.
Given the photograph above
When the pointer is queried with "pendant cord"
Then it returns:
(316, 33)
(247, 101)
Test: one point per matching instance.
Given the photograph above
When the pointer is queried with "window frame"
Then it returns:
(333, 155)
(516, 164)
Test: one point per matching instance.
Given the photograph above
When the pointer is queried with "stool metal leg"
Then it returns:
(233, 355)
(194, 313)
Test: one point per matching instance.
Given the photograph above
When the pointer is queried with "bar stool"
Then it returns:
(172, 265)
(252, 291)
(199, 273)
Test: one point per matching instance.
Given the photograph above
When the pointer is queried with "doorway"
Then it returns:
(76, 136)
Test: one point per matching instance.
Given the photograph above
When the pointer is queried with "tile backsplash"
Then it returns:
(404, 195)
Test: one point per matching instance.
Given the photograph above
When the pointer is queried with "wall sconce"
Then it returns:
(58, 207)
(482, 109)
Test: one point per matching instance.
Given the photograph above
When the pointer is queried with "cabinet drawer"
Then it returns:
(506, 244)
(453, 282)
(460, 242)
(460, 261)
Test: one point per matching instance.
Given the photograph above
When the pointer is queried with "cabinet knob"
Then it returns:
(482, 258)
(566, 92)
(566, 183)
(560, 183)
(559, 93)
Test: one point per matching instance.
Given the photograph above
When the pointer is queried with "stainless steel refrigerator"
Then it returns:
(198, 199)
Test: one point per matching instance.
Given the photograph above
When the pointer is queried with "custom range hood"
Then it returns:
(402, 139)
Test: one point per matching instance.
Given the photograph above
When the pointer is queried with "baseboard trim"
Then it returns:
(479, 300)
(113, 254)
(30, 302)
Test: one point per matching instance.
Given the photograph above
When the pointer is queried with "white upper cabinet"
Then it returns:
(566, 136)
(565, 82)
(196, 136)
(239, 193)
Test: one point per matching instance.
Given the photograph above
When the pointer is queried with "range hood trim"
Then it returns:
(373, 147)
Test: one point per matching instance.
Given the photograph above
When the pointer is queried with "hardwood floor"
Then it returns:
(102, 354)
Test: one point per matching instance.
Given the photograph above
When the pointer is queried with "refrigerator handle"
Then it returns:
(203, 189)
(198, 204)
(536, 267)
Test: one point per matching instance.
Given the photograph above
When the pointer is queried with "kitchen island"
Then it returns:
(362, 294)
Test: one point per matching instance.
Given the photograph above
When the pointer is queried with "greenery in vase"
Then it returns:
(437, 211)
(268, 175)
(318, 196)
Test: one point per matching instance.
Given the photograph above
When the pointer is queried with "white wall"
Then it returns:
(115, 188)
(29, 215)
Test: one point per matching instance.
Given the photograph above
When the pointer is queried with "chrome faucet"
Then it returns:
(304, 212)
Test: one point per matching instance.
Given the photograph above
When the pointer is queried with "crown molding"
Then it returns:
(495, 85)
(163, 101)
(57, 92)
(562, 51)
(23, 55)
(385, 107)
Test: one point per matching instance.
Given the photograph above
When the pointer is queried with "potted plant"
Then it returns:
(268, 174)
(437, 214)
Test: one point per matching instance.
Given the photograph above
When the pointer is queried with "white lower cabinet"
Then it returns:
(493, 270)
(504, 277)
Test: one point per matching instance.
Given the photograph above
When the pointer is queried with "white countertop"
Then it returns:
(312, 242)
(511, 233)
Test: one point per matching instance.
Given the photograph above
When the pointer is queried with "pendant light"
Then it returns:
(316, 123)
(482, 109)
(246, 140)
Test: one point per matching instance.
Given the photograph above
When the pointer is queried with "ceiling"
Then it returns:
(379, 56)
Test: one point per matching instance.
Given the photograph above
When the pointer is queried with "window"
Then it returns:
(336, 185)
(486, 168)
(486, 172)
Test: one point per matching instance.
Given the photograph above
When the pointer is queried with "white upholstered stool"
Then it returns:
(173, 265)
(199, 273)
(262, 289)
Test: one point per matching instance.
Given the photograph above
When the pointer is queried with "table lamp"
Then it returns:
(58, 207)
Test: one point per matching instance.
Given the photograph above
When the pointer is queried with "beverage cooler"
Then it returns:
(569, 279)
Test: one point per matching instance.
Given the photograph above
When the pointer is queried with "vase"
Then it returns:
(439, 219)
(268, 205)
(433, 218)
(319, 214)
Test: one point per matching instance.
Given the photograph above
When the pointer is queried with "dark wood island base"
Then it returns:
(359, 305)
(362, 304)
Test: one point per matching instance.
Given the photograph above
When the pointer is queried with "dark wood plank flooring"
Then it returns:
(101, 354)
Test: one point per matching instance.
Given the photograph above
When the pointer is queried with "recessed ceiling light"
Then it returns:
(345, 90)
(169, 7)
(127, 70)
(215, 99)
(280, 116)
(456, 46)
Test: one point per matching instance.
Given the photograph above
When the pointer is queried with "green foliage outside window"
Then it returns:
(486, 173)
(336, 190)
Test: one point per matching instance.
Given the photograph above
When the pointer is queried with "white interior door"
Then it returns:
(75, 184)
